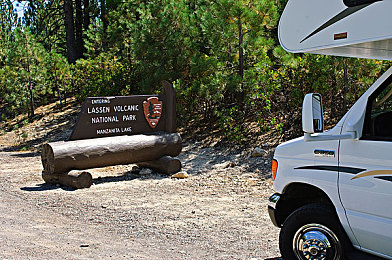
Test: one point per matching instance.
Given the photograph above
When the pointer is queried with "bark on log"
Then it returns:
(75, 179)
(165, 165)
(62, 157)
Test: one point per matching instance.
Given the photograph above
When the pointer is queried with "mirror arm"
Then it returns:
(348, 135)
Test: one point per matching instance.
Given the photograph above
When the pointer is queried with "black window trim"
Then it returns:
(354, 3)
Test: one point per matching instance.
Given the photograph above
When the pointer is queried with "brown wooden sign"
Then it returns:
(128, 115)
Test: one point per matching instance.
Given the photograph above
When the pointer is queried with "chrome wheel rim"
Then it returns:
(316, 242)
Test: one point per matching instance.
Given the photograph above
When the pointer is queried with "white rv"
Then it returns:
(333, 195)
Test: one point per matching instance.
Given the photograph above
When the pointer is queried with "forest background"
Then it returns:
(222, 56)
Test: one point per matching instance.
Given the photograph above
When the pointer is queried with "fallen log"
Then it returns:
(74, 179)
(165, 165)
(62, 157)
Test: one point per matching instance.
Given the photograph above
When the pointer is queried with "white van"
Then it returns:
(334, 188)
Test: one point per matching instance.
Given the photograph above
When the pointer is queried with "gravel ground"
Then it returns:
(219, 212)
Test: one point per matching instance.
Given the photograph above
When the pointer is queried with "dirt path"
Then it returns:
(217, 213)
(28, 232)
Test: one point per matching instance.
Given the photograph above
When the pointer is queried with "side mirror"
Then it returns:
(312, 114)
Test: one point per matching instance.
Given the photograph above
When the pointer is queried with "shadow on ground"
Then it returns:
(26, 155)
(46, 187)
(127, 176)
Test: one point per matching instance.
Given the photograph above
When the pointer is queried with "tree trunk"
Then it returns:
(165, 165)
(32, 108)
(31, 94)
(86, 14)
(105, 22)
(79, 29)
(61, 157)
(69, 31)
(240, 49)
(345, 87)
(74, 179)
(241, 94)
(30, 85)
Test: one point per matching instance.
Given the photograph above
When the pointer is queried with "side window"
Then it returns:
(379, 115)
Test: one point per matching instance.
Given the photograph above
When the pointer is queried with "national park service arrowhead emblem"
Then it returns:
(152, 111)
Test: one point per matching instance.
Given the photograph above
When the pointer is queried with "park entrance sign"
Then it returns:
(116, 130)
(128, 115)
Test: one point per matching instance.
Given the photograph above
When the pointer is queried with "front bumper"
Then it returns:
(273, 200)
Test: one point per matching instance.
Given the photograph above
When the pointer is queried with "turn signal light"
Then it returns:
(274, 168)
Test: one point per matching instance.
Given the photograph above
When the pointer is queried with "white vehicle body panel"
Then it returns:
(368, 200)
(332, 28)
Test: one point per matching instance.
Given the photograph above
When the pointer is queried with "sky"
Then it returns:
(19, 7)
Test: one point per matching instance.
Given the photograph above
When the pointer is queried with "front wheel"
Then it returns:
(313, 232)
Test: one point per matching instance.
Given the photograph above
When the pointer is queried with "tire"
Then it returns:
(313, 232)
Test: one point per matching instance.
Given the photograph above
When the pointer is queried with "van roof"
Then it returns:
(352, 28)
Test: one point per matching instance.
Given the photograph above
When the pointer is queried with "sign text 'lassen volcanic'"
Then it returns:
(111, 119)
